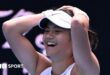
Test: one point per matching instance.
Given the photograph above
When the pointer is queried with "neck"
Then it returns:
(60, 66)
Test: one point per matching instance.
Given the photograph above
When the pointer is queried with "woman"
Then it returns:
(65, 39)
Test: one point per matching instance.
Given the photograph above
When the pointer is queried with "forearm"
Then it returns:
(80, 43)
(22, 24)
(21, 47)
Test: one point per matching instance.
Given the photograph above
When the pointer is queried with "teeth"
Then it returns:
(51, 43)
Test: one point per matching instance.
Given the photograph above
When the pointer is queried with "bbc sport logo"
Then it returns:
(6, 66)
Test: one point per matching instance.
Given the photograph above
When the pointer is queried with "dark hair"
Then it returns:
(93, 37)
(68, 12)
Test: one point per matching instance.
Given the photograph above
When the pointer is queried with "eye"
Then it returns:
(58, 31)
(46, 30)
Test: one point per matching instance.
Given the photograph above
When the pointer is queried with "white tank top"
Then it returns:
(48, 70)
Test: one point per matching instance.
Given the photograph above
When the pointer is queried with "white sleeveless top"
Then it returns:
(48, 70)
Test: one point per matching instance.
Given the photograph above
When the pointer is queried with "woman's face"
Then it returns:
(57, 40)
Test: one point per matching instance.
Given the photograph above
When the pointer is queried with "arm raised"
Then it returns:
(85, 59)
(21, 47)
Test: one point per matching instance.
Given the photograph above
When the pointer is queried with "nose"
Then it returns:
(50, 34)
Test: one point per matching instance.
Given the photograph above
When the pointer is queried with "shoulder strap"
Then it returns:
(68, 70)
(47, 71)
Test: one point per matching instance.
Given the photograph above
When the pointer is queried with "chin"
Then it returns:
(51, 53)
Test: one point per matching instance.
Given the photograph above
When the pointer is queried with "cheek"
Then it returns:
(65, 40)
(43, 38)
(65, 45)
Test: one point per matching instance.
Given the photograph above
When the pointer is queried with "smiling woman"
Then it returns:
(56, 40)
(65, 38)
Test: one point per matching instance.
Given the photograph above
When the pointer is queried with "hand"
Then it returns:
(79, 15)
(75, 10)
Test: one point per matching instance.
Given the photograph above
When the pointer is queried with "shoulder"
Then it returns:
(43, 63)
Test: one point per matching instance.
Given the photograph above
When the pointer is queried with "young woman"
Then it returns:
(65, 38)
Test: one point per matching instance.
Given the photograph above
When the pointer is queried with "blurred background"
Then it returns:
(98, 11)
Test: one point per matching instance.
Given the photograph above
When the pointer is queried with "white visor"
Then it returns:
(59, 18)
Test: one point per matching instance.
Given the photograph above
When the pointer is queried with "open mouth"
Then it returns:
(52, 44)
